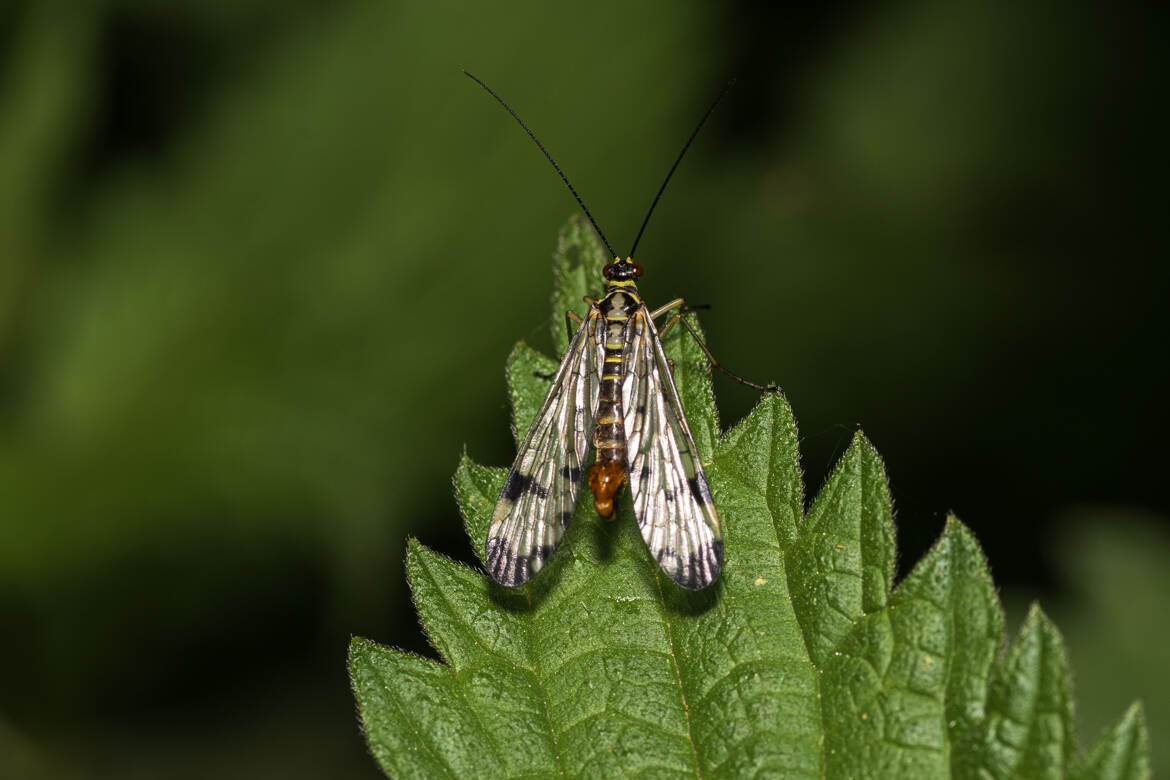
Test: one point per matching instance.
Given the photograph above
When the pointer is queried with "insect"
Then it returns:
(613, 394)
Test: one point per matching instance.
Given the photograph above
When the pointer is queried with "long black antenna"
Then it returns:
(564, 178)
(686, 146)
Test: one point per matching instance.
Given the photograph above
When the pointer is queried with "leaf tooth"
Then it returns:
(1029, 730)
(948, 609)
(410, 714)
(476, 490)
(459, 610)
(483, 631)
(770, 429)
(577, 265)
(1122, 752)
(527, 387)
(905, 679)
(842, 565)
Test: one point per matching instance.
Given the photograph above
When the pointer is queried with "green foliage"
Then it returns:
(1122, 752)
(802, 661)
(1113, 566)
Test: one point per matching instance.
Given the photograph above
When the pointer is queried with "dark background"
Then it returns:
(261, 264)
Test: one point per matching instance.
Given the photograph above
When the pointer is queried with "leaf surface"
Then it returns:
(803, 660)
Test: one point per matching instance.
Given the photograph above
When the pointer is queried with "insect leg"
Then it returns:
(678, 318)
(677, 302)
(572, 322)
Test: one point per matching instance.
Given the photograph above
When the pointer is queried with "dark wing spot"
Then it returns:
(702, 568)
(566, 517)
(672, 563)
(502, 563)
(700, 489)
(515, 485)
(645, 473)
(571, 474)
(540, 490)
(509, 568)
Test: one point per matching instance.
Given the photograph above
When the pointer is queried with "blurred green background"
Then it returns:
(261, 264)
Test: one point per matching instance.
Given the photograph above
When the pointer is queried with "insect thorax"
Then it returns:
(621, 300)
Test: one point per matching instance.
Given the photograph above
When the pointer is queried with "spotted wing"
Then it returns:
(540, 493)
(672, 499)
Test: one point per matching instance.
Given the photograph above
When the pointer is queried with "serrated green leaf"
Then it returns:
(801, 661)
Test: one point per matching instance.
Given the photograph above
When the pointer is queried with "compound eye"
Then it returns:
(637, 270)
(607, 271)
